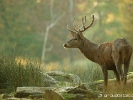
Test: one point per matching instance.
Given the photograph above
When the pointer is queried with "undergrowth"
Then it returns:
(16, 72)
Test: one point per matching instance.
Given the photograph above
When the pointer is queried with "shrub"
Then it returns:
(14, 73)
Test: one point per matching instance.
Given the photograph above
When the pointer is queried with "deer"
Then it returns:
(109, 55)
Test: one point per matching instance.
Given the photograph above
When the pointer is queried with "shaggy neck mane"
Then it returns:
(89, 49)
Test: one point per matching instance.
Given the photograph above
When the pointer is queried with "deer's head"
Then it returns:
(77, 34)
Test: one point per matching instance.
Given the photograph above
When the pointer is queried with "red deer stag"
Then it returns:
(109, 55)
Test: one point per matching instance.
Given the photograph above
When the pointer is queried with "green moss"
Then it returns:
(130, 75)
(69, 96)
(98, 81)
(110, 80)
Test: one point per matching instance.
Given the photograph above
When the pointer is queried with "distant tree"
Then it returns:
(126, 10)
(52, 23)
(15, 26)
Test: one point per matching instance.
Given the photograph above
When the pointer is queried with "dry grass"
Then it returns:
(18, 71)
(118, 92)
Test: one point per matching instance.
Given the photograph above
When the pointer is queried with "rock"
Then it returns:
(4, 96)
(23, 92)
(80, 93)
(130, 75)
(98, 82)
(63, 89)
(13, 98)
(56, 93)
(48, 80)
(71, 77)
(52, 95)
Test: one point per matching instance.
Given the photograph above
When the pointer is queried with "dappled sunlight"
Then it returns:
(82, 6)
(21, 60)
(26, 61)
(95, 3)
(51, 66)
(38, 1)
(110, 18)
(87, 71)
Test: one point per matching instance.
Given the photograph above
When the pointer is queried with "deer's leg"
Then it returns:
(126, 67)
(117, 57)
(117, 76)
(105, 75)
(119, 69)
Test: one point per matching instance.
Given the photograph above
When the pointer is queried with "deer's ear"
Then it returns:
(73, 33)
(81, 35)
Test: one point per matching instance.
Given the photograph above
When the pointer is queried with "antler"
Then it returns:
(83, 22)
(75, 27)
(69, 29)
(72, 31)
(82, 28)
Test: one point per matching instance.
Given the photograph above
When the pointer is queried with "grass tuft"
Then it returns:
(16, 73)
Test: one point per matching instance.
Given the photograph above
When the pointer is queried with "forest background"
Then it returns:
(37, 28)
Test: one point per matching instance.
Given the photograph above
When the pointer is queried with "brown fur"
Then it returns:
(110, 55)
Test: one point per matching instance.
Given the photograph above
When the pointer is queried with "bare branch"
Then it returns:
(55, 22)
(51, 9)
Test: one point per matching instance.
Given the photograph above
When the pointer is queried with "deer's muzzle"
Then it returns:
(65, 45)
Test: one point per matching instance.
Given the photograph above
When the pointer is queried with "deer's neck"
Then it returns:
(89, 49)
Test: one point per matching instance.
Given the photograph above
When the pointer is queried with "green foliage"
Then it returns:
(126, 7)
(23, 24)
(86, 70)
(16, 71)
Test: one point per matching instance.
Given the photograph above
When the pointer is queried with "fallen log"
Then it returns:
(23, 92)
(71, 77)
(48, 80)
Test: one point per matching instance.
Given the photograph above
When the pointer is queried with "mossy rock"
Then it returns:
(80, 93)
(99, 82)
(68, 96)
(130, 75)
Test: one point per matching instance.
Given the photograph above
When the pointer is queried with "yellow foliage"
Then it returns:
(21, 60)
(38, 1)
(1, 25)
(52, 66)
(28, 28)
(82, 6)
(95, 3)
(25, 61)
(110, 18)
